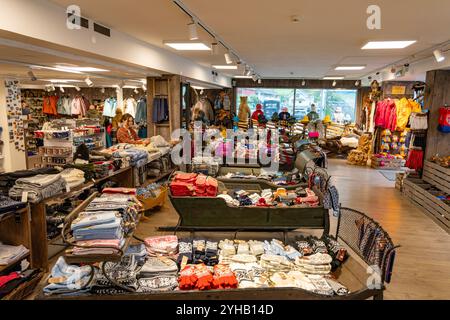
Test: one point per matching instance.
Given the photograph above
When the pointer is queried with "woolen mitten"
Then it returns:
(185, 250)
(188, 278)
(204, 277)
(199, 247)
(212, 257)
(224, 278)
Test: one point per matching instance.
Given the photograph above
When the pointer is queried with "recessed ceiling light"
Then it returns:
(55, 69)
(198, 88)
(81, 69)
(225, 67)
(388, 44)
(243, 77)
(333, 78)
(187, 46)
(350, 67)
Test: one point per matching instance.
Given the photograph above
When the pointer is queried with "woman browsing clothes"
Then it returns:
(126, 134)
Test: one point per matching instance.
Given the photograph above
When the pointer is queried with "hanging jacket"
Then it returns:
(64, 106)
(109, 108)
(391, 116)
(50, 105)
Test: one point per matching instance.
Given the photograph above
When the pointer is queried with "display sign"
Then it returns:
(398, 89)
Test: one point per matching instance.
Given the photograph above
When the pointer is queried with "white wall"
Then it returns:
(46, 21)
(13, 159)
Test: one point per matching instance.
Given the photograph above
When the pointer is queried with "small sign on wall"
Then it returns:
(398, 90)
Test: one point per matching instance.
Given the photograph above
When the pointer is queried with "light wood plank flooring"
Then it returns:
(422, 266)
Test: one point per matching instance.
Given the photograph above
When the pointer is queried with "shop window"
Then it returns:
(272, 100)
(339, 104)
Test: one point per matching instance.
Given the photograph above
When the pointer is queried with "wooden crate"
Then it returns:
(437, 175)
(387, 164)
(416, 191)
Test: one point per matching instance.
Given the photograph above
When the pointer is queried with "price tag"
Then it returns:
(184, 262)
(25, 196)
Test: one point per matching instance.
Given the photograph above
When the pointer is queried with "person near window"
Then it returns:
(126, 134)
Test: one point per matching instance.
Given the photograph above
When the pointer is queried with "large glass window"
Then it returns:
(272, 100)
(339, 104)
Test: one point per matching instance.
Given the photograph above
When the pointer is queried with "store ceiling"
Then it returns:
(17, 61)
(263, 35)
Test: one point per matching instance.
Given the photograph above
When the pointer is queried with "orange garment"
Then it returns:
(128, 136)
(50, 105)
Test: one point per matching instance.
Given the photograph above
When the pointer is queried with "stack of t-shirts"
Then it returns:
(9, 205)
(73, 177)
(68, 279)
(9, 254)
(162, 246)
(158, 274)
(39, 187)
(183, 184)
(205, 186)
(7, 180)
(133, 154)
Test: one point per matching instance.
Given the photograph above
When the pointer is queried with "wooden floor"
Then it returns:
(422, 266)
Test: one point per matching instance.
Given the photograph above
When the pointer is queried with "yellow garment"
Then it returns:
(415, 106)
(404, 109)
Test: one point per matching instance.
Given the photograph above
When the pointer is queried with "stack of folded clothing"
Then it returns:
(103, 226)
(39, 187)
(98, 225)
(191, 184)
(162, 246)
(135, 155)
(183, 184)
(7, 180)
(123, 273)
(138, 251)
(9, 254)
(73, 177)
(158, 274)
(311, 199)
(276, 247)
(318, 263)
(11, 281)
(103, 169)
(9, 205)
(275, 263)
(68, 279)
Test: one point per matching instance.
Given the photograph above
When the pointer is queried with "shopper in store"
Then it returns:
(126, 134)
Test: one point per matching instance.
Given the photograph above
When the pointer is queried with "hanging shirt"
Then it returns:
(64, 106)
(141, 111)
(50, 105)
(130, 106)
(109, 108)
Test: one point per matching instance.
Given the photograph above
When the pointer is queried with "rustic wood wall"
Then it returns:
(437, 95)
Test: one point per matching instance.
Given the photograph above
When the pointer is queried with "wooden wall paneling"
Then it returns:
(151, 128)
(437, 95)
(175, 103)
